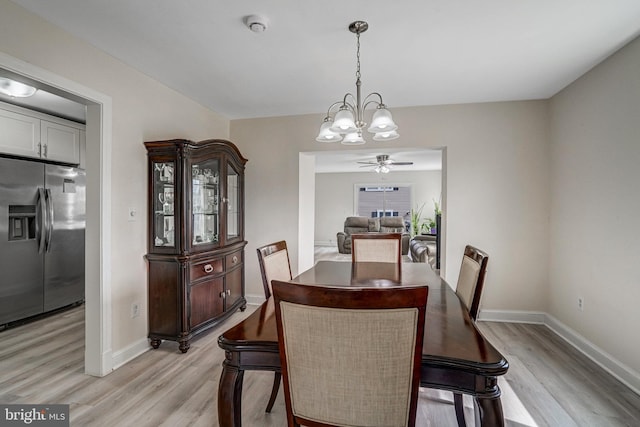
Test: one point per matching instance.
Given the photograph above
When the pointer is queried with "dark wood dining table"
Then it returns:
(455, 355)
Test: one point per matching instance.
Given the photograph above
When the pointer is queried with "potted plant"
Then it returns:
(437, 212)
(416, 215)
(429, 226)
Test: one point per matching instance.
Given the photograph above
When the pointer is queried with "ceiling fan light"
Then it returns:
(344, 122)
(382, 169)
(326, 134)
(382, 121)
(15, 89)
(353, 138)
(386, 136)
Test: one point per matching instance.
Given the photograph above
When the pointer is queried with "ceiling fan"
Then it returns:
(383, 164)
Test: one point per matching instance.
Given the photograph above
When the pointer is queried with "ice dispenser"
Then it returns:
(22, 222)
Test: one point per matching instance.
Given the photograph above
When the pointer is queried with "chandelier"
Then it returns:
(347, 123)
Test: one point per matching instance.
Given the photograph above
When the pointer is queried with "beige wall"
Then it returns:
(508, 168)
(595, 205)
(143, 110)
(335, 197)
(496, 178)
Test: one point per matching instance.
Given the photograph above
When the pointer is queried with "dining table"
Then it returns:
(455, 354)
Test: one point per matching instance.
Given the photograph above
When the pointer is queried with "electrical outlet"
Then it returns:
(132, 214)
(580, 303)
(135, 310)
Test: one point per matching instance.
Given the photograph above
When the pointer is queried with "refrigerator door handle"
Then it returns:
(41, 218)
(49, 201)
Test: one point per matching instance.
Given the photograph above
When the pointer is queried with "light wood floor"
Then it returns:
(548, 383)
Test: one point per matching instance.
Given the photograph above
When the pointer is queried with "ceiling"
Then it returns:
(416, 52)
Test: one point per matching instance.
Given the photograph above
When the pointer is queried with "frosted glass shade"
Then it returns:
(343, 122)
(386, 136)
(354, 138)
(15, 89)
(382, 121)
(326, 134)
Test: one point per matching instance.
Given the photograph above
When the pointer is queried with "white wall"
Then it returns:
(496, 176)
(335, 197)
(595, 205)
(143, 110)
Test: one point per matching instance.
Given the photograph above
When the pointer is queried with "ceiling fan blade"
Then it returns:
(400, 163)
(368, 163)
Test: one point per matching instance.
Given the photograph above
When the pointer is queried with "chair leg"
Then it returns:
(274, 391)
(457, 401)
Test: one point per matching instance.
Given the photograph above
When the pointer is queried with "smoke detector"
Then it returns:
(256, 23)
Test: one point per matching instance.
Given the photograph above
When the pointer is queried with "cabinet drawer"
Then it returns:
(205, 268)
(233, 260)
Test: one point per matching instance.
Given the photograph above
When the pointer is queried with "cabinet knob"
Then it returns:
(228, 291)
(234, 259)
(223, 295)
(208, 268)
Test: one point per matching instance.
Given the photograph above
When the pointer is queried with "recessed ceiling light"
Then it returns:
(15, 89)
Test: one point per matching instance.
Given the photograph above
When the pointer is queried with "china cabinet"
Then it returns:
(196, 237)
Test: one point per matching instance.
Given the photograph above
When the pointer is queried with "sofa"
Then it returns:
(363, 224)
(423, 248)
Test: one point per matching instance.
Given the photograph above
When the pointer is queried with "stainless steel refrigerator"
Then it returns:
(42, 228)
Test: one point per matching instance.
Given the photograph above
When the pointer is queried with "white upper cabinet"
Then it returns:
(60, 143)
(27, 133)
(19, 134)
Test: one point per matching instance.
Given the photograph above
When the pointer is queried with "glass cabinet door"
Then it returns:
(164, 203)
(205, 193)
(233, 202)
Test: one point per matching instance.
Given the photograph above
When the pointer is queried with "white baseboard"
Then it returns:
(254, 299)
(325, 243)
(622, 372)
(512, 316)
(619, 370)
(134, 350)
(130, 352)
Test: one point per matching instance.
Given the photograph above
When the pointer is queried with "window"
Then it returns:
(375, 201)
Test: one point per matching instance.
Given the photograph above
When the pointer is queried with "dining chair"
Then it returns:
(274, 264)
(471, 279)
(350, 356)
(376, 247)
(469, 290)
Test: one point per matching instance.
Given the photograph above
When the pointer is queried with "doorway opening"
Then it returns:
(98, 360)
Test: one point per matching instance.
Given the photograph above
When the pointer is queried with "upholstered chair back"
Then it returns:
(376, 247)
(350, 356)
(392, 224)
(274, 264)
(471, 279)
(360, 224)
